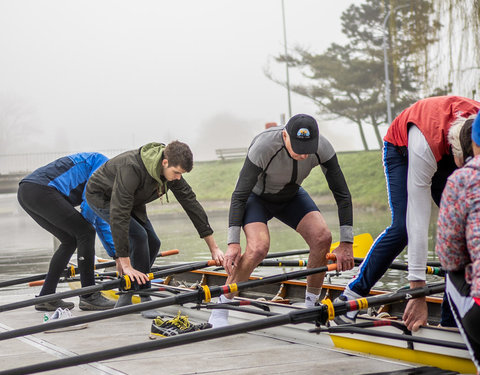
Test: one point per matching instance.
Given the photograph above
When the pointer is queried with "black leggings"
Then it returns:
(54, 213)
(465, 311)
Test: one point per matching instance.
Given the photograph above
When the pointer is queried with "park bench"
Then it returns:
(231, 153)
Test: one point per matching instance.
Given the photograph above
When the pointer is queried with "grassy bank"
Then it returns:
(215, 180)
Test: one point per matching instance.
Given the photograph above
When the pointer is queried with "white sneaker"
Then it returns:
(219, 317)
(61, 314)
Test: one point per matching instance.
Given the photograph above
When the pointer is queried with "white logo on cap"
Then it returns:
(303, 133)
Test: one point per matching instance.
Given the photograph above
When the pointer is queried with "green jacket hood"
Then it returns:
(152, 155)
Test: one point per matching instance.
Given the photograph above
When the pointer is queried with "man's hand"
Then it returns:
(217, 254)
(344, 253)
(118, 267)
(416, 312)
(131, 272)
(232, 256)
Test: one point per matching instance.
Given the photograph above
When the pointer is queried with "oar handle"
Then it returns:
(36, 283)
(331, 256)
(168, 252)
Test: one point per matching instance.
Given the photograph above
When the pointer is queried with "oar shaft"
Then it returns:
(150, 345)
(194, 296)
(340, 308)
(430, 270)
(295, 317)
(104, 286)
(283, 263)
(396, 336)
(287, 253)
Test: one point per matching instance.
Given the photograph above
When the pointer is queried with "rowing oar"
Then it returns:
(204, 293)
(397, 266)
(105, 275)
(71, 271)
(124, 283)
(321, 314)
(359, 328)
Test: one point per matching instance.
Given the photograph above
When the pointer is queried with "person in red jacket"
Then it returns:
(417, 159)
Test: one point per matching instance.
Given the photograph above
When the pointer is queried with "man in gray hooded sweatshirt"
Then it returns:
(119, 190)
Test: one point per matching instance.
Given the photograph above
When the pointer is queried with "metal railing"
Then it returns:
(28, 162)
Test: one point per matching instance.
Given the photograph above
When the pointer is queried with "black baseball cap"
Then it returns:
(303, 132)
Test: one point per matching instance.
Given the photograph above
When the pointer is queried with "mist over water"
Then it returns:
(27, 248)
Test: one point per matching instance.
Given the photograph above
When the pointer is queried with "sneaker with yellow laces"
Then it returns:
(175, 326)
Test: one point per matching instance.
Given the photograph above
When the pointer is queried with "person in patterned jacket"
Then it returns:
(458, 246)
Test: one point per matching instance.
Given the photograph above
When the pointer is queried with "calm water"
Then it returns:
(26, 248)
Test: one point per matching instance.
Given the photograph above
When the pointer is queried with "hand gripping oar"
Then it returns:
(397, 266)
(106, 275)
(124, 283)
(71, 271)
(321, 313)
(204, 293)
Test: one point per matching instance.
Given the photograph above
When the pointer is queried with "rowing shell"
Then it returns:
(447, 358)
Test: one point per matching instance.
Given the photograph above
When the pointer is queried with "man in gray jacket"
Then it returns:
(119, 190)
(269, 185)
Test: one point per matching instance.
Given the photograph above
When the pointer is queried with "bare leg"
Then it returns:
(258, 243)
(316, 234)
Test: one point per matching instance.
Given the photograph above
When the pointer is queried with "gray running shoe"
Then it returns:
(349, 317)
(96, 301)
(53, 305)
(124, 300)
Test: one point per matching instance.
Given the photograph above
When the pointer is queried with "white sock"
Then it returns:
(219, 317)
(310, 299)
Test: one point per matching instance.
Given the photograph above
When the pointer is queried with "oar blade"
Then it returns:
(361, 245)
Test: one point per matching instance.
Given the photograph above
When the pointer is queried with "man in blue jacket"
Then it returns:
(49, 195)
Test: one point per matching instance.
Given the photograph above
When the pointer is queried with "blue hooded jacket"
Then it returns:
(69, 175)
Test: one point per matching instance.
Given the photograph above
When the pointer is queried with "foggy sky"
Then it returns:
(116, 74)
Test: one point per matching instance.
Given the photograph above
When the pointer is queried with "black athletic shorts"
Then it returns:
(290, 212)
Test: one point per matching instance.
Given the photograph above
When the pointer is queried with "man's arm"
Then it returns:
(341, 193)
(121, 204)
(421, 168)
(338, 186)
(245, 183)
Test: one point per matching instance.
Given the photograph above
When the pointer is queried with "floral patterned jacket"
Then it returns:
(458, 230)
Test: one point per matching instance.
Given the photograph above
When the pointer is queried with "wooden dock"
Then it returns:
(284, 350)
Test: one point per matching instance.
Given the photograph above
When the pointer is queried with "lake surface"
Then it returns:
(26, 248)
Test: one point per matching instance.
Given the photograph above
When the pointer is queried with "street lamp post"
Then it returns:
(385, 62)
(286, 60)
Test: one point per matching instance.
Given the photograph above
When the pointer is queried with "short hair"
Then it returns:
(466, 138)
(454, 137)
(178, 154)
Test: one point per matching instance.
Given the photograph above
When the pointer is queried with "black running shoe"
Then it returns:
(53, 305)
(96, 301)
